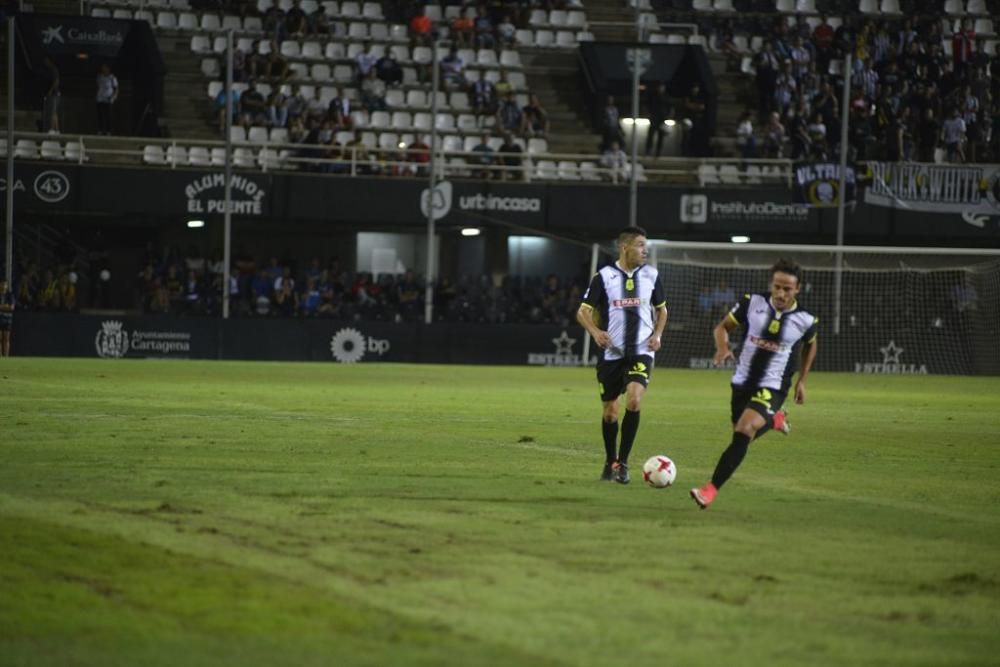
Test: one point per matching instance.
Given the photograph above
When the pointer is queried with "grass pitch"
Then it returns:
(189, 513)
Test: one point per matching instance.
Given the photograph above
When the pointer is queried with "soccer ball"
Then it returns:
(659, 472)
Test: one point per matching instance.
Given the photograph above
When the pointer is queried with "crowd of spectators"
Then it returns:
(313, 120)
(188, 284)
(54, 288)
(918, 91)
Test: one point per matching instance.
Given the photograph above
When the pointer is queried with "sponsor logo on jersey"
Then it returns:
(631, 302)
(769, 345)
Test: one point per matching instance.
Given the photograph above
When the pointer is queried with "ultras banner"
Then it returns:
(965, 194)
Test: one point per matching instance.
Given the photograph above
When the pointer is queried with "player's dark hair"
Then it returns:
(629, 233)
(784, 265)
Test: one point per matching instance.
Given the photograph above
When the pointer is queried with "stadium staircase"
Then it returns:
(554, 75)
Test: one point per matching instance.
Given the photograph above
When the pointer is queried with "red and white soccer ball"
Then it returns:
(659, 472)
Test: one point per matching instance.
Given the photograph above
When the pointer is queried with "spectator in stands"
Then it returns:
(509, 115)
(277, 107)
(286, 299)
(357, 152)
(822, 39)
(274, 23)
(296, 21)
(220, 107)
(785, 88)
(502, 86)
(745, 138)
(995, 71)
(420, 154)
(483, 158)
(311, 298)
(659, 109)
(463, 28)
(615, 162)
(970, 114)
(963, 45)
(7, 306)
(373, 93)
(928, 133)
(797, 130)
(408, 297)
(51, 100)
(953, 136)
(482, 99)
(364, 62)
(867, 79)
(696, 137)
(767, 65)
(611, 128)
(241, 62)
(297, 131)
(331, 298)
(534, 119)
(506, 32)
(484, 29)
(816, 129)
(388, 70)
(276, 68)
(452, 71)
(994, 136)
(314, 109)
(421, 30)
(191, 296)
(107, 93)
(254, 106)
(339, 112)
(800, 57)
(510, 158)
(774, 137)
(319, 23)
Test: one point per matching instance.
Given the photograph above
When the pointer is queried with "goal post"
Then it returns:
(881, 309)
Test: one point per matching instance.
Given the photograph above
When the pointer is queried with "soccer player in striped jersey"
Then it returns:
(625, 312)
(776, 331)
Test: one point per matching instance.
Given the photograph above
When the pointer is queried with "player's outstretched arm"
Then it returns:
(721, 335)
(808, 356)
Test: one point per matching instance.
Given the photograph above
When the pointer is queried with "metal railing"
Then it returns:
(358, 160)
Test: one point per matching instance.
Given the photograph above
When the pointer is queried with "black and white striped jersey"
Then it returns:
(624, 304)
(769, 355)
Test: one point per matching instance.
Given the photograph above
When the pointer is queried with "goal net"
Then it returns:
(881, 309)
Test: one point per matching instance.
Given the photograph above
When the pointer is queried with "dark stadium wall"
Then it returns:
(278, 201)
(119, 337)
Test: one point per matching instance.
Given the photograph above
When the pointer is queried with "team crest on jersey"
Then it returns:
(774, 327)
(630, 284)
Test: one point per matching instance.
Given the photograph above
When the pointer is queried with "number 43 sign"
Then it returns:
(51, 186)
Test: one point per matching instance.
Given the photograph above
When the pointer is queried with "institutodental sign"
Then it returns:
(206, 194)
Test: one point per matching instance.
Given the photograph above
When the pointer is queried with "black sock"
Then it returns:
(730, 459)
(630, 426)
(610, 431)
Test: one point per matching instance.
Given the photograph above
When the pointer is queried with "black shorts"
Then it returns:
(6, 325)
(759, 399)
(613, 376)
